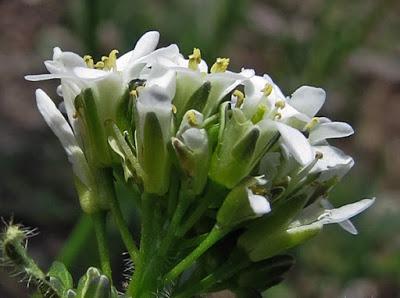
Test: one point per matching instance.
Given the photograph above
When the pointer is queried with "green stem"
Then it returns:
(99, 223)
(227, 270)
(214, 236)
(196, 215)
(136, 285)
(76, 241)
(117, 214)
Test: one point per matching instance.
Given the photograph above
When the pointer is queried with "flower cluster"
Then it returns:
(231, 171)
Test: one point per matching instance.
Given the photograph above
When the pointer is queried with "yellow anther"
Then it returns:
(99, 65)
(174, 109)
(258, 190)
(220, 65)
(239, 98)
(280, 104)
(267, 90)
(194, 59)
(314, 121)
(278, 116)
(134, 93)
(89, 61)
(191, 118)
(112, 59)
(319, 155)
(259, 114)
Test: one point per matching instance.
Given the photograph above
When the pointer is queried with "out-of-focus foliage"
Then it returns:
(350, 48)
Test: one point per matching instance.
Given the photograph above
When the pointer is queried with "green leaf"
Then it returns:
(58, 270)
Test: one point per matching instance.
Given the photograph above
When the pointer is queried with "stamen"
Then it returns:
(191, 117)
(195, 59)
(174, 109)
(278, 116)
(280, 104)
(319, 155)
(134, 93)
(239, 98)
(112, 59)
(220, 65)
(267, 90)
(89, 61)
(99, 65)
(259, 114)
(314, 121)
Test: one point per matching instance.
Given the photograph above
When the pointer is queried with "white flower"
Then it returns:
(323, 213)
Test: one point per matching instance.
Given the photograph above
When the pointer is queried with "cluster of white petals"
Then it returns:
(188, 98)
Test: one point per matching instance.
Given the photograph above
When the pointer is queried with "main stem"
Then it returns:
(99, 223)
(118, 217)
(214, 236)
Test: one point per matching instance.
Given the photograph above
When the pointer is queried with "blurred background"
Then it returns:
(349, 48)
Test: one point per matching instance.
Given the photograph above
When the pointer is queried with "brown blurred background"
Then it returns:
(350, 48)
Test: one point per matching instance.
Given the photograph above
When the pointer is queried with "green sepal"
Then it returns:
(278, 220)
(197, 100)
(243, 150)
(154, 157)
(236, 207)
(124, 112)
(94, 137)
(279, 241)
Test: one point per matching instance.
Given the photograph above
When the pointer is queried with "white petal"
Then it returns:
(330, 130)
(145, 45)
(258, 204)
(195, 139)
(163, 78)
(308, 100)
(345, 212)
(346, 225)
(44, 77)
(63, 131)
(332, 158)
(90, 73)
(296, 143)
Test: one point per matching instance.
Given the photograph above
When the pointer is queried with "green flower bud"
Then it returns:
(241, 145)
(154, 125)
(242, 204)
(278, 220)
(94, 285)
(270, 245)
(192, 150)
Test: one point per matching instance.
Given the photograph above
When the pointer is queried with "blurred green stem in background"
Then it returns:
(90, 27)
(76, 241)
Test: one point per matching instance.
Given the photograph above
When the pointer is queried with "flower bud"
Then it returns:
(272, 244)
(94, 285)
(154, 125)
(242, 204)
(240, 146)
(279, 219)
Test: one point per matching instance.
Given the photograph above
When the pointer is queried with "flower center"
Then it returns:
(107, 62)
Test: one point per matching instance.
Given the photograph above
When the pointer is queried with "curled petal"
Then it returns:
(330, 130)
(296, 143)
(308, 100)
(345, 212)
